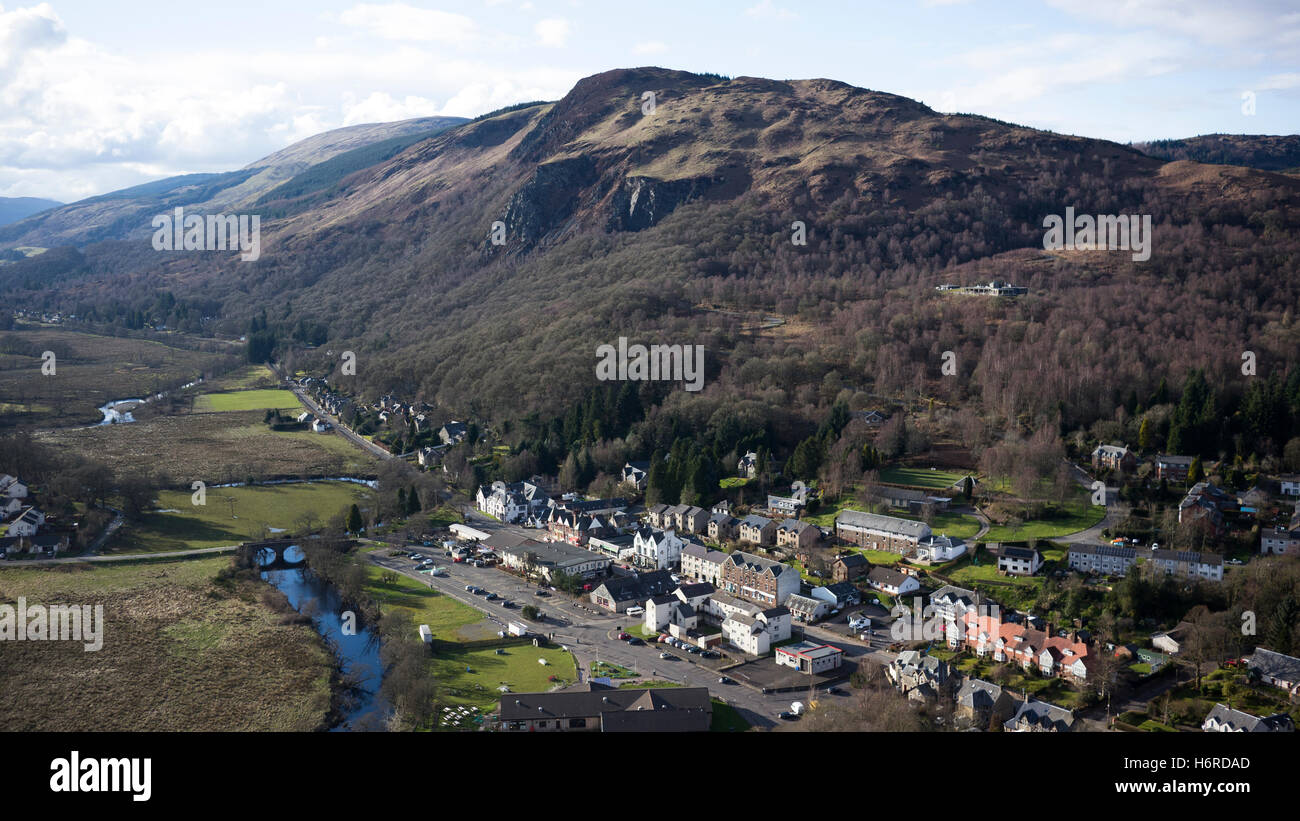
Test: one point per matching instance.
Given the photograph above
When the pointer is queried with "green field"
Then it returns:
(733, 481)
(258, 399)
(256, 509)
(921, 477)
(1075, 515)
(182, 651)
(251, 376)
(446, 617)
(472, 677)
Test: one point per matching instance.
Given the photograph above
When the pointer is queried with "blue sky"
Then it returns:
(96, 96)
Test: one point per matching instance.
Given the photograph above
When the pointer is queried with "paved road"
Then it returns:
(124, 557)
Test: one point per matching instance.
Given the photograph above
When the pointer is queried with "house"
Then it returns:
(755, 633)
(690, 519)
(590, 507)
(1103, 559)
(657, 549)
(660, 516)
(888, 580)
(453, 433)
(1279, 541)
(911, 500)
(12, 487)
(1034, 716)
(702, 563)
(512, 502)
(1018, 561)
(805, 609)
(595, 707)
(871, 418)
(1173, 468)
(1187, 564)
(636, 474)
(757, 530)
(758, 579)
(1171, 641)
(321, 426)
(576, 528)
(1207, 502)
(722, 527)
(722, 506)
(429, 456)
(28, 522)
(747, 467)
(978, 701)
(785, 505)
(839, 594)
(1289, 485)
(1224, 719)
(938, 549)
(878, 532)
(797, 533)
(1114, 457)
(810, 657)
(547, 559)
(619, 593)
(849, 566)
(919, 677)
(305, 418)
(1276, 669)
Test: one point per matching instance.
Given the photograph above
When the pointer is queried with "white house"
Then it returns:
(659, 549)
(1290, 485)
(888, 580)
(756, 633)
(1019, 561)
(11, 487)
(1224, 719)
(28, 522)
(810, 657)
(939, 549)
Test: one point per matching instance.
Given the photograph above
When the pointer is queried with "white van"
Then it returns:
(636, 611)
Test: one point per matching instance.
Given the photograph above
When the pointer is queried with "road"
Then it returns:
(339, 427)
(125, 557)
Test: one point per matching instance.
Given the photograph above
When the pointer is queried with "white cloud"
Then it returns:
(398, 21)
(650, 47)
(767, 10)
(552, 32)
(381, 107)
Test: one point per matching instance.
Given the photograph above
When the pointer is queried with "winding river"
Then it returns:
(358, 654)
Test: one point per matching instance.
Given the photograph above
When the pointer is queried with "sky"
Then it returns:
(98, 96)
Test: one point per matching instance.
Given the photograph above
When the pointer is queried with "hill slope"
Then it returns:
(677, 226)
(126, 214)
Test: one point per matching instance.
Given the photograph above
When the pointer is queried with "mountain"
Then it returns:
(126, 214)
(677, 226)
(1263, 151)
(13, 209)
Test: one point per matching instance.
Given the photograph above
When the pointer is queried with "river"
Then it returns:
(358, 654)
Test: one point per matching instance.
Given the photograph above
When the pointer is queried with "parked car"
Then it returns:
(835, 691)
(507, 603)
(665, 655)
(635, 642)
(491, 596)
(540, 592)
(469, 588)
(786, 715)
(711, 654)
(624, 636)
(725, 680)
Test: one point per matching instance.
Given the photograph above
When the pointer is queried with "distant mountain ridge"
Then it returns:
(125, 214)
(13, 209)
(1266, 152)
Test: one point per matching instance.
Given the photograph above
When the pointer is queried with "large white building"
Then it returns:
(657, 549)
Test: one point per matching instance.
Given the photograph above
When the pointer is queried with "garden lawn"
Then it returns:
(921, 477)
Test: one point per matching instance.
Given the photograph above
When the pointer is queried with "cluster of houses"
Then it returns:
(1118, 560)
(388, 408)
(978, 703)
(317, 425)
(25, 528)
